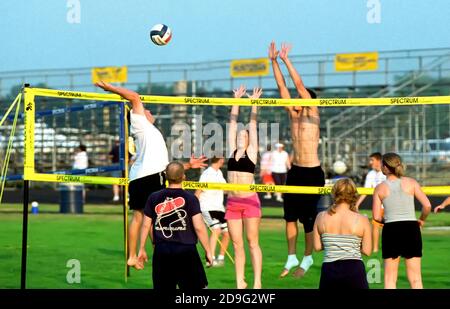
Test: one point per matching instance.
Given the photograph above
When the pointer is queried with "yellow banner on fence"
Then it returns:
(249, 67)
(356, 62)
(110, 74)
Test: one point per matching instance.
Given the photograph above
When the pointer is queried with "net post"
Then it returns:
(26, 195)
(124, 166)
(23, 267)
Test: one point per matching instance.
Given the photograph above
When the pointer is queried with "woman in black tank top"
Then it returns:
(244, 209)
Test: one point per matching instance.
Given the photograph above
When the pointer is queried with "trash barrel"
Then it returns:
(71, 199)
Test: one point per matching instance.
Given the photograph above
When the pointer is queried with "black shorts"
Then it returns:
(179, 265)
(141, 188)
(303, 207)
(402, 238)
(344, 274)
(215, 219)
(279, 178)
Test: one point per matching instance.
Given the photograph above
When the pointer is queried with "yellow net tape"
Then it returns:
(331, 102)
(28, 134)
(193, 185)
(100, 180)
(436, 190)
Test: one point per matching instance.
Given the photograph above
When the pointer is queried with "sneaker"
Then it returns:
(280, 199)
(115, 199)
(218, 263)
(267, 197)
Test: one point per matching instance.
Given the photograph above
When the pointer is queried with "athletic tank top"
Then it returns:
(244, 164)
(398, 205)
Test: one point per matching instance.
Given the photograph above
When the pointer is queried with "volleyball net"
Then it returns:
(381, 123)
(61, 127)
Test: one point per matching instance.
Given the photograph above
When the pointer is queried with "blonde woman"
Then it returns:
(401, 236)
(243, 210)
(343, 234)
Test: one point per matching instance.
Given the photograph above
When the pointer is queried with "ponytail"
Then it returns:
(393, 162)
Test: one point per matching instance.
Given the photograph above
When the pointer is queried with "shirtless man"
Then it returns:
(305, 170)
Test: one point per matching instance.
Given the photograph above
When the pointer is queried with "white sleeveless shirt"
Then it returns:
(151, 150)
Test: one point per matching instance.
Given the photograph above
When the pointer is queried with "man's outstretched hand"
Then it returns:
(273, 52)
(198, 162)
(105, 86)
(142, 259)
(285, 49)
(209, 259)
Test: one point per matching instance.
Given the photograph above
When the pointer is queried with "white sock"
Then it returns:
(307, 261)
(221, 257)
(292, 261)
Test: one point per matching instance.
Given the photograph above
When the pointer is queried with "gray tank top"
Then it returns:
(398, 205)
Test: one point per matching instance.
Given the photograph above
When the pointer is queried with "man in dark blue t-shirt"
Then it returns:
(174, 221)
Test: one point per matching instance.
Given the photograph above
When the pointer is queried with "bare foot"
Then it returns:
(257, 286)
(134, 262)
(242, 285)
(284, 273)
(299, 272)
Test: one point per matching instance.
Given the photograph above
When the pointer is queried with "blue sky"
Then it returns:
(35, 33)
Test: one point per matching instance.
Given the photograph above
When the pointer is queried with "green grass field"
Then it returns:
(96, 240)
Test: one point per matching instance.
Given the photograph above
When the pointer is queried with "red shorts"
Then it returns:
(243, 207)
(267, 179)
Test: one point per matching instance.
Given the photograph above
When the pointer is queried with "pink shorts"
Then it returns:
(243, 207)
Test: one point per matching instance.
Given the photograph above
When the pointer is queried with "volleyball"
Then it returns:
(160, 34)
(339, 167)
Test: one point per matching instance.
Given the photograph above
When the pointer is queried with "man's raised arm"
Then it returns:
(279, 78)
(132, 96)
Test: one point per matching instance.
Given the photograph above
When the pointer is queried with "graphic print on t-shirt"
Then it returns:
(170, 216)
